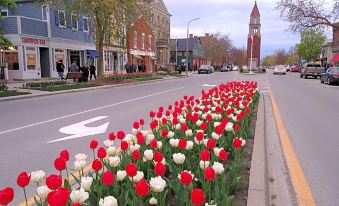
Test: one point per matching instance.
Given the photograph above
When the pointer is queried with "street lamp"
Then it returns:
(188, 27)
(251, 54)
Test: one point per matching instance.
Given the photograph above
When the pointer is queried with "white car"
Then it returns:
(279, 70)
(235, 68)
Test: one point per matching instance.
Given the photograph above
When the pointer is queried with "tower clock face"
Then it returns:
(255, 20)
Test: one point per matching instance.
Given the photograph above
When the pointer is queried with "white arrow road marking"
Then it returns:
(209, 85)
(81, 130)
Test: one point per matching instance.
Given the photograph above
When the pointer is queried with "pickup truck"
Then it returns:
(311, 69)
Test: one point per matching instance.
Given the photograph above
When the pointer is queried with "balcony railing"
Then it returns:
(24, 25)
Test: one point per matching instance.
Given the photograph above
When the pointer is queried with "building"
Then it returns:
(159, 19)
(42, 35)
(326, 51)
(141, 50)
(196, 52)
(254, 39)
(335, 46)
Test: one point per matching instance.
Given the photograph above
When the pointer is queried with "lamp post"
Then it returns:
(188, 27)
(251, 54)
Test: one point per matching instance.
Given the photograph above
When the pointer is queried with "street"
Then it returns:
(31, 128)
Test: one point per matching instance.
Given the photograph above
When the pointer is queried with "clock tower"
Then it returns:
(254, 38)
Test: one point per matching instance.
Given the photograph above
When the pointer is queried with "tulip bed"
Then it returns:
(190, 155)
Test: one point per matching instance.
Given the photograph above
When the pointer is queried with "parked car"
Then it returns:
(331, 76)
(311, 69)
(205, 69)
(287, 68)
(226, 68)
(235, 68)
(279, 70)
(294, 68)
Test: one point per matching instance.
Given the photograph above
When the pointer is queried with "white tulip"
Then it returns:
(37, 176)
(108, 143)
(86, 183)
(114, 161)
(159, 144)
(108, 201)
(148, 154)
(204, 164)
(189, 145)
(179, 158)
(204, 116)
(243, 142)
(81, 157)
(197, 142)
(234, 118)
(121, 174)
(218, 167)
(182, 120)
(43, 191)
(189, 133)
(215, 136)
(79, 196)
(135, 131)
(216, 151)
(157, 184)
(216, 124)
(229, 126)
(178, 126)
(79, 165)
(213, 109)
(174, 142)
(170, 134)
(111, 151)
(137, 177)
(215, 116)
(153, 201)
(149, 138)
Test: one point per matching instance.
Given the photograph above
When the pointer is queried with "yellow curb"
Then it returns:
(30, 201)
(301, 186)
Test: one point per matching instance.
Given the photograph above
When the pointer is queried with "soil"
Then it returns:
(242, 193)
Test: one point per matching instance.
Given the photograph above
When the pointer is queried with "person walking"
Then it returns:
(74, 67)
(60, 69)
(92, 70)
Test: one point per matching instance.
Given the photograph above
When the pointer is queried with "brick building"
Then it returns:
(335, 46)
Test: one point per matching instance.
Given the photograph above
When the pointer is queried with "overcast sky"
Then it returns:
(231, 17)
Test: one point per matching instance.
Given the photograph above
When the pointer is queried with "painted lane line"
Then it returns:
(90, 110)
(301, 186)
(81, 130)
(209, 85)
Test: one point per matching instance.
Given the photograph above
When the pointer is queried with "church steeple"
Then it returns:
(255, 10)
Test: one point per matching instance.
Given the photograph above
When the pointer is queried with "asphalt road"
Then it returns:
(28, 125)
(311, 116)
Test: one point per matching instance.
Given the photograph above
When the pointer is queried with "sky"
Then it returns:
(232, 17)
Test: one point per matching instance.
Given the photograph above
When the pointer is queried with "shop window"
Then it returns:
(59, 54)
(74, 19)
(31, 62)
(143, 41)
(86, 26)
(4, 12)
(62, 18)
(108, 61)
(135, 39)
(11, 57)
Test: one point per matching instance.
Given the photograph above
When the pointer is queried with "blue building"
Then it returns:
(42, 35)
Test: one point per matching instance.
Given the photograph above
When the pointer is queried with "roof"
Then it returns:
(255, 10)
(182, 44)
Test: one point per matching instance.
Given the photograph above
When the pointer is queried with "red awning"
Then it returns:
(335, 58)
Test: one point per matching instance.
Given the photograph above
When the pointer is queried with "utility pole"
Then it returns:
(188, 26)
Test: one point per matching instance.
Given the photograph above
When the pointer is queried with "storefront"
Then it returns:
(114, 60)
(146, 58)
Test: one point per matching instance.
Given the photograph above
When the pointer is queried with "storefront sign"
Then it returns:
(29, 40)
(142, 53)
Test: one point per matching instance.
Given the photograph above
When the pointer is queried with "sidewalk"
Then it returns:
(270, 182)
(38, 93)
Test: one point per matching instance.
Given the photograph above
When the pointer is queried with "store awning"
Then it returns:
(93, 53)
(335, 58)
(137, 56)
(153, 58)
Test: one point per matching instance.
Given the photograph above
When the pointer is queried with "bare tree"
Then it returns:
(217, 48)
(304, 14)
(238, 56)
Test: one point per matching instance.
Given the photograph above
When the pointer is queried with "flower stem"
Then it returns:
(25, 197)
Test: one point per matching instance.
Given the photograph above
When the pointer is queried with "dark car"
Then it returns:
(205, 69)
(331, 76)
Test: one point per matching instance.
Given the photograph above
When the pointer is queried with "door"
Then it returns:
(44, 63)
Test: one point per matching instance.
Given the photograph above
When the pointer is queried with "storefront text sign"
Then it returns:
(29, 40)
(142, 53)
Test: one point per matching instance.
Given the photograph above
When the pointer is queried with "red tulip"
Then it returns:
(136, 125)
(205, 155)
(131, 169)
(102, 153)
(153, 124)
(164, 133)
(197, 197)
(136, 155)
(158, 157)
(182, 143)
(64, 154)
(142, 121)
(154, 144)
(140, 138)
(237, 127)
(76, 204)
(107, 178)
(111, 136)
(223, 154)
(152, 114)
(93, 144)
(142, 188)
(124, 145)
(186, 178)
(211, 143)
(184, 127)
(96, 165)
(203, 126)
(58, 197)
(200, 136)
(121, 135)
(237, 143)
(210, 174)
(60, 163)
(6, 196)
(159, 169)
(163, 121)
(23, 179)
(53, 182)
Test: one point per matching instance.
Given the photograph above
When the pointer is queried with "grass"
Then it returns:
(11, 93)
(66, 87)
(148, 78)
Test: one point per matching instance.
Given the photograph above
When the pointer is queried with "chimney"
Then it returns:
(191, 35)
(207, 34)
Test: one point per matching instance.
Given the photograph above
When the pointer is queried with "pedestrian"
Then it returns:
(92, 70)
(60, 69)
(74, 67)
(127, 68)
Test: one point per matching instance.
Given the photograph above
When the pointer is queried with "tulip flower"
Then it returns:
(107, 178)
(142, 188)
(22, 181)
(6, 196)
(198, 197)
(58, 197)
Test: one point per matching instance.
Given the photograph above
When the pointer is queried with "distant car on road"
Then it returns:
(226, 68)
(279, 70)
(294, 68)
(287, 68)
(235, 68)
(205, 69)
(331, 76)
(311, 69)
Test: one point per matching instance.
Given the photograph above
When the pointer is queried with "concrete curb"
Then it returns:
(28, 96)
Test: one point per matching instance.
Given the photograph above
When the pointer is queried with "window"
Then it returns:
(12, 58)
(85, 21)
(4, 12)
(143, 41)
(59, 54)
(122, 36)
(135, 40)
(150, 42)
(74, 20)
(31, 62)
(62, 18)
(44, 12)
